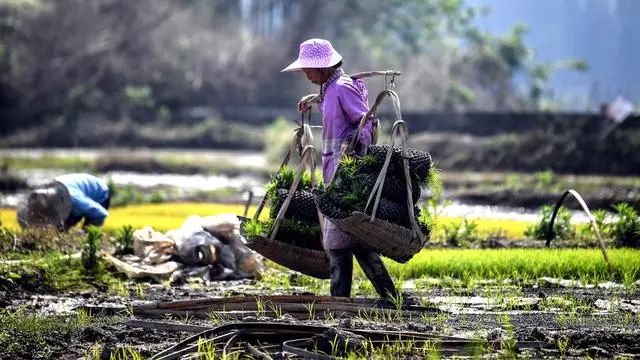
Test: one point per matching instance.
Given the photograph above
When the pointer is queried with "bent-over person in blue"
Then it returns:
(70, 199)
(90, 199)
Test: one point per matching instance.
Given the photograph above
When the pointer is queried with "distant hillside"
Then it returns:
(605, 33)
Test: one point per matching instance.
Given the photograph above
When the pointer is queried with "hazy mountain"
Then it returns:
(605, 33)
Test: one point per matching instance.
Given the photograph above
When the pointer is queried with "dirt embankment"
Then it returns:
(564, 151)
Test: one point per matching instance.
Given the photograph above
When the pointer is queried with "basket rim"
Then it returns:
(312, 262)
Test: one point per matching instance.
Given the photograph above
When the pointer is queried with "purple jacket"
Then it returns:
(344, 103)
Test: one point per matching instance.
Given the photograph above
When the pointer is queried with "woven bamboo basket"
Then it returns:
(312, 262)
(393, 241)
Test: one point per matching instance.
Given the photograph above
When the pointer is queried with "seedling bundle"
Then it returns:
(355, 179)
(373, 197)
(300, 225)
(291, 236)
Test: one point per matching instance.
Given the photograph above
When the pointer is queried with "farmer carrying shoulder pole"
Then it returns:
(68, 200)
(343, 102)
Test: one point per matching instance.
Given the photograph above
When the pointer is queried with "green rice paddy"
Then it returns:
(517, 264)
(587, 265)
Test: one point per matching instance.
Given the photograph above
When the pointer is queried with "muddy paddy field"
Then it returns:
(493, 303)
(484, 287)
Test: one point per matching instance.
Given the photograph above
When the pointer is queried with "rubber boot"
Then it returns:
(341, 267)
(373, 267)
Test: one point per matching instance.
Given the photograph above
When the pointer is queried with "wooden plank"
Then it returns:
(145, 324)
(240, 299)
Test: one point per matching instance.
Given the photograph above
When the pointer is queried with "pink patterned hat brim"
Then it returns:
(315, 54)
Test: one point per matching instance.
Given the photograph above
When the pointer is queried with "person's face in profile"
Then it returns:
(317, 76)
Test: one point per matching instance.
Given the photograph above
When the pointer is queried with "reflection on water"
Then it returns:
(191, 184)
(185, 185)
(457, 209)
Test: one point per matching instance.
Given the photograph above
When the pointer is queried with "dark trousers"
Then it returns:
(341, 262)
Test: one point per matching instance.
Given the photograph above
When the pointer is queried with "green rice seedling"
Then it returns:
(207, 349)
(219, 317)
(508, 343)
(364, 288)
(452, 233)
(311, 310)
(441, 319)
(349, 166)
(260, 306)
(126, 353)
(562, 228)
(334, 345)
(94, 352)
(282, 180)
(25, 332)
(587, 233)
(328, 315)
(626, 318)
(7, 239)
(311, 284)
(368, 315)
(629, 280)
(118, 287)
(562, 320)
(626, 227)
(432, 350)
(462, 233)
(277, 310)
(398, 303)
(196, 284)
(187, 318)
(274, 279)
(394, 350)
(90, 249)
(500, 264)
(434, 181)
(479, 347)
(84, 318)
(124, 240)
(253, 227)
(140, 291)
(562, 343)
(544, 179)
(299, 226)
(128, 310)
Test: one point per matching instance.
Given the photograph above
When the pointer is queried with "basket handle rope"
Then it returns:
(301, 135)
(389, 78)
(308, 159)
(363, 122)
(399, 129)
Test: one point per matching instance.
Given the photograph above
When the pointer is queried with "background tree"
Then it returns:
(147, 60)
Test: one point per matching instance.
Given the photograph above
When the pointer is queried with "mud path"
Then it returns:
(548, 319)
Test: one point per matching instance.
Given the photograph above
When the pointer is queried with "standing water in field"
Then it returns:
(187, 186)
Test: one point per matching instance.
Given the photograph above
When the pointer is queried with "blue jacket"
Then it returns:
(89, 198)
